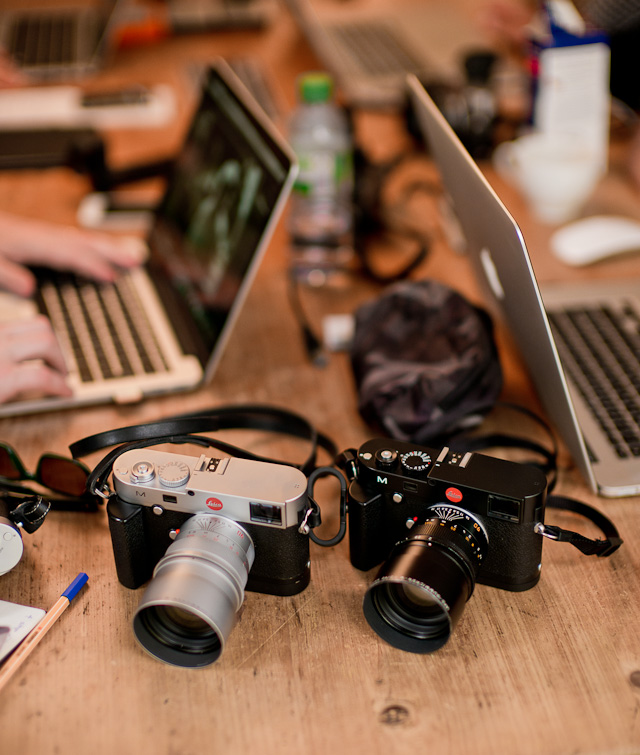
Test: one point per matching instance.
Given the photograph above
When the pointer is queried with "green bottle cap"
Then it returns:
(315, 87)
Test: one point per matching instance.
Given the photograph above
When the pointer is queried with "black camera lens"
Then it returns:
(421, 590)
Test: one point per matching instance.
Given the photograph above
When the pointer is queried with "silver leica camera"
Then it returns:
(204, 529)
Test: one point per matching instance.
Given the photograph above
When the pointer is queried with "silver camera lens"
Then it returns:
(191, 603)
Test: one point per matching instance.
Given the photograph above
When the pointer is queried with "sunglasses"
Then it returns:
(58, 473)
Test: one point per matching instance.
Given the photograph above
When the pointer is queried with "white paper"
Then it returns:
(19, 621)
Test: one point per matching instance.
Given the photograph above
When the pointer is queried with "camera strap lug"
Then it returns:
(104, 491)
(347, 462)
(311, 518)
(550, 532)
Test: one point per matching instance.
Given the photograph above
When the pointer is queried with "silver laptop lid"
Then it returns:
(501, 262)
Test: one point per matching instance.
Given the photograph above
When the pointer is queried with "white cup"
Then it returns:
(556, 173)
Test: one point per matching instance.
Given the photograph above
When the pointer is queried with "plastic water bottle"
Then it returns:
(321, 210)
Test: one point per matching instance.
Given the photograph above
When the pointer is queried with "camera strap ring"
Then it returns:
(312, 517)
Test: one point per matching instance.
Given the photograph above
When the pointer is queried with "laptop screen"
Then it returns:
(210, 224)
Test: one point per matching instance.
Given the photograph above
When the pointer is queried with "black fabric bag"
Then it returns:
(424, 361)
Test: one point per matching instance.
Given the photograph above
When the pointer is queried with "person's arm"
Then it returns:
(505, 21)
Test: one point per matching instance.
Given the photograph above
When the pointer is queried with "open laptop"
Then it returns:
(575, 338)
(66, 40)
(163, 327)
(370, 47)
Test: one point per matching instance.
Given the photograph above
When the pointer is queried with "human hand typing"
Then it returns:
(31, 362)
(88, 253)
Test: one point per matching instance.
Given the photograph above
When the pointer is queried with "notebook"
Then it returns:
(370, 48)
(580, 341)
(163, 327)
(58, 41)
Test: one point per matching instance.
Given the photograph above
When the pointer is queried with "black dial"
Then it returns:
(415, 462)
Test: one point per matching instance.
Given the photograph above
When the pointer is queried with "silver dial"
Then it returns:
(173, 474)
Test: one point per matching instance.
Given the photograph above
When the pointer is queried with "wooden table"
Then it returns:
(555, 669)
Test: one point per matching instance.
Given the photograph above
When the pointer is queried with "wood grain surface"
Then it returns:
(552, 670)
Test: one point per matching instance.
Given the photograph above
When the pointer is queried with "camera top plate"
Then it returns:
(242, 489)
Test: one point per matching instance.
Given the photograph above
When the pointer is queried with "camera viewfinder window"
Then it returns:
(504, 508)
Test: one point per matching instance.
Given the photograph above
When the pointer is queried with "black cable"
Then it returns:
(312, 343)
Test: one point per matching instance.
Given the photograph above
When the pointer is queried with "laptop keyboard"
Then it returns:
(252, 74)
(103, 329)
(600, 349)
(41, 40)
(375, 48)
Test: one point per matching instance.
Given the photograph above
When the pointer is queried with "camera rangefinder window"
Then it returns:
(266, 513)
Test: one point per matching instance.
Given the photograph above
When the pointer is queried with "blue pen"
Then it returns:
(41, 628)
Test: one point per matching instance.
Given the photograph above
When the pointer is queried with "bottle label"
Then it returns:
(323, 173)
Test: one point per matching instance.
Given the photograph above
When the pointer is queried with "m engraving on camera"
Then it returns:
(440, 521)
(203, 530)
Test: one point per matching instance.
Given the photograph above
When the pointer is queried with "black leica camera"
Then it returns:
(440, 521)
(204, 529)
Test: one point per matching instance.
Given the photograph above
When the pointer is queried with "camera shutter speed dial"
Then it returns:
(415, 462)
(173, 474)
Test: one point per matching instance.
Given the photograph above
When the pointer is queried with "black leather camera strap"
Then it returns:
(600, 548)
(186, 428)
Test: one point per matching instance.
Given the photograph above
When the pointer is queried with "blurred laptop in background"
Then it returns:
(207, 15)
(579, 340)
(370, 49)
(61, 41)
(162, 328)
